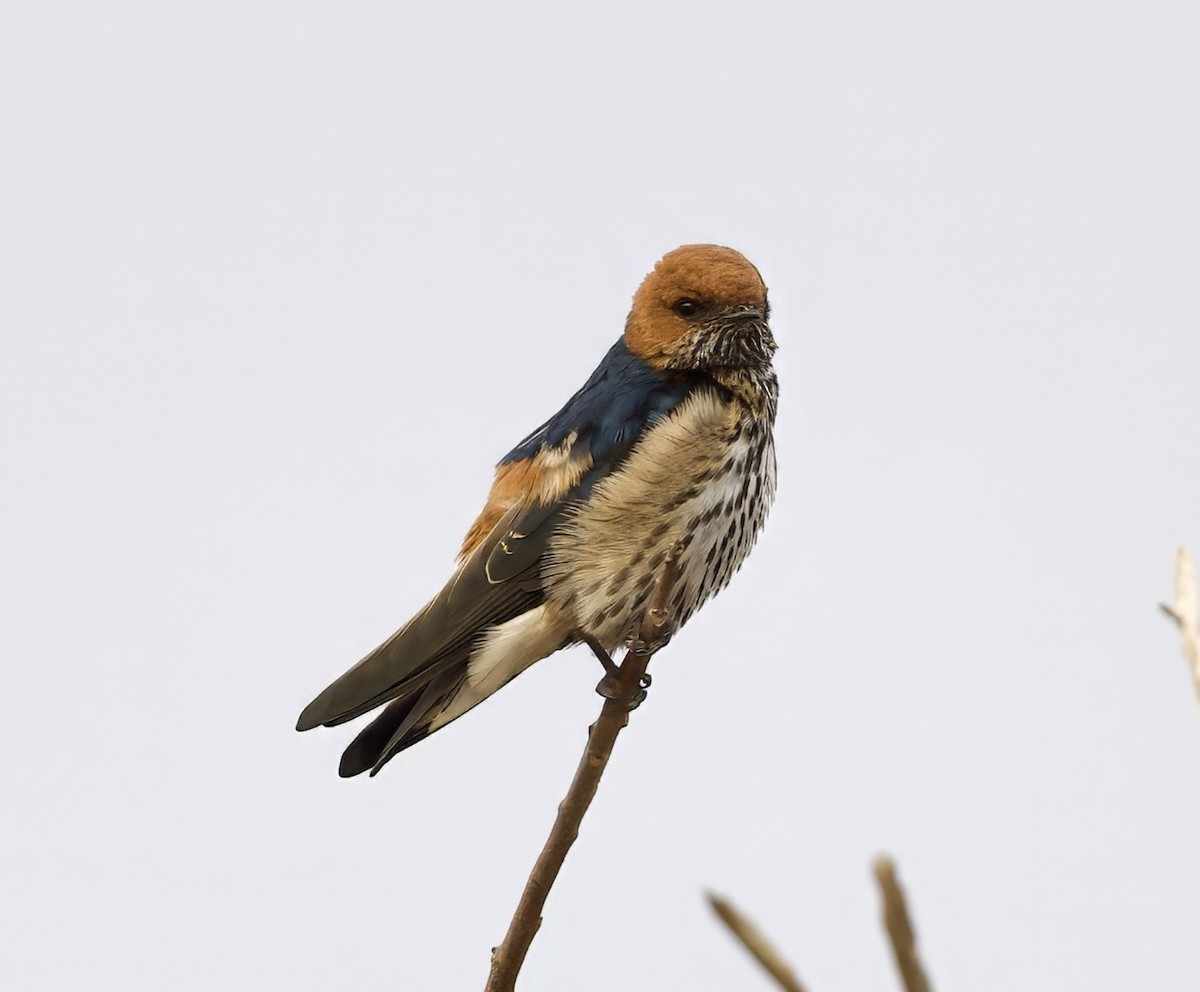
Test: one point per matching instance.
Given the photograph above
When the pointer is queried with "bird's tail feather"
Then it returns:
(403, 723)
(422, 669)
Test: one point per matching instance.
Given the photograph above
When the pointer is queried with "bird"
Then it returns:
(667, 449)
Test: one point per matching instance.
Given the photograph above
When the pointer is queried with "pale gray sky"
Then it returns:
(279, 284)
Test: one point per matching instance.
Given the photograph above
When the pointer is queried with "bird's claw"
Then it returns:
(610, 688)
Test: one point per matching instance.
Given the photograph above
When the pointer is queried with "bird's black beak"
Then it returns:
(744, 314)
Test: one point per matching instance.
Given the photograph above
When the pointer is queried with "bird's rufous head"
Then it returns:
(704, 307)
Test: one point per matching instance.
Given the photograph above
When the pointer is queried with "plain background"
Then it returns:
(280, 283)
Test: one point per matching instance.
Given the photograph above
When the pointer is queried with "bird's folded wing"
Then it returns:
(499, 578)
(440, 634)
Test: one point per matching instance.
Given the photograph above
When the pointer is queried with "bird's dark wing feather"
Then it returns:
(441, 635)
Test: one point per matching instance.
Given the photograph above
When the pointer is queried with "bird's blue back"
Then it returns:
(619, 400)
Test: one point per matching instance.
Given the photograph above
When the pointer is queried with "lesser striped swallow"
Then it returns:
(669, 442)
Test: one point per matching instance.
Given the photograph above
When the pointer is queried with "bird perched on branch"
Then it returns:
(669, 442)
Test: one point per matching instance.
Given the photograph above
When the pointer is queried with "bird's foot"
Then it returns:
(610, 688)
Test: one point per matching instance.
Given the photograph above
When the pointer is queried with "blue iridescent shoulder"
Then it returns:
(619, 400)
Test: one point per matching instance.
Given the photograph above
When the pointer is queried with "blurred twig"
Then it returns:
(1185, 611)
(756, 944)
(624, 686)
(899, 927)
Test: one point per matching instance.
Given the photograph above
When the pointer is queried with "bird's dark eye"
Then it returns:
(686, 307)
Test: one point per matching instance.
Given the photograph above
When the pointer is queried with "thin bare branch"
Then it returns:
(1185, 611)
(622, 689)
(756, 944)
(899, 927)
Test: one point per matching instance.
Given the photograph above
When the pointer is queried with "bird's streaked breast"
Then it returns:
(705, 476)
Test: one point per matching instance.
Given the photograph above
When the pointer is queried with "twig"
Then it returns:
(508, 957)
(899, 927)
(1186, 610)
(756, 944)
